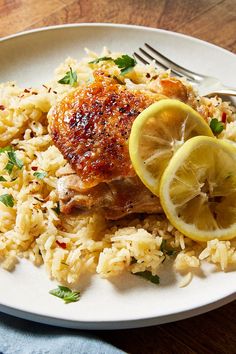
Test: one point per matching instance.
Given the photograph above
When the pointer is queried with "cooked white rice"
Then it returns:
(69, 245)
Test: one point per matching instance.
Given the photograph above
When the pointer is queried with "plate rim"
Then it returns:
(109, 24)
(117, 324)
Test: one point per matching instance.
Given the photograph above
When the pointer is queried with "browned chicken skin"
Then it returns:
(91, 127)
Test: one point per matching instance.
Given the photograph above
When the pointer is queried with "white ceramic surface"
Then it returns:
(126, 301)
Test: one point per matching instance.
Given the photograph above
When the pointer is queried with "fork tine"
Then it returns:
(141, 58)
(177, 69)
(152, 58)
(166, 64)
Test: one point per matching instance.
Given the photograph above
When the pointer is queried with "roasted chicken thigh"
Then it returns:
(91, 128)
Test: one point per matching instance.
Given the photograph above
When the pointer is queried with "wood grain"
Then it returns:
(211, 333)
(210, 20)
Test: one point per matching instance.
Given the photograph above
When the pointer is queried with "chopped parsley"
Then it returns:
(216, 126)
(2, 179)
(13, 160)
(148, 275)
(100, 59)
(69, 79)
(66, 294)
(7, 199)
(165, 250)
(40, 175)
(6, 148)
(125, 63)
(57, 208)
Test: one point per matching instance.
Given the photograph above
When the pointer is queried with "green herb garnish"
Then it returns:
(66, 294)
(100, 59)
(57, 208)
(165, 250)
(9, 167)
(125, 63)
(148, 275)
(40, 175)
(69, 79)
(7, 199)
(2, 179)
(216, 126)
(13, 161)
(5, 149)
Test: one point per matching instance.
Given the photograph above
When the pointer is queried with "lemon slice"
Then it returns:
(198, 189)
(157, 133)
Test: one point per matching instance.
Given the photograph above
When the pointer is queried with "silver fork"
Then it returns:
(206, 85)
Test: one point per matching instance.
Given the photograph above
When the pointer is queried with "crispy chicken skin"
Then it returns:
(91, 127)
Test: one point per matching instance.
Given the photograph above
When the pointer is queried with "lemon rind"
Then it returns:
(168, 207)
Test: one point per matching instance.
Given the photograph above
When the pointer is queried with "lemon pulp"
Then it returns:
(157, 133)
(198, 189)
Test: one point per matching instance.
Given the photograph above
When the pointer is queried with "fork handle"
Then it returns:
(224, 91)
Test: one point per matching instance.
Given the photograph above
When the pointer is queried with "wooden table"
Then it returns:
(210, 20)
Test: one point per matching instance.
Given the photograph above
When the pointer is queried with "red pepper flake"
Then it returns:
(26, 90)
(61, 244)
(224, 117)
(2, 107)
(34, 168)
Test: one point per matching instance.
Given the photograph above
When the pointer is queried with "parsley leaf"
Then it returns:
(69, 79)
(216, 126)
(100, 59)
(40, 175)
(5, 149)
(7, 199)
(2, 179)
(125, 63)
(148, 275)
(165, 250)
(57, 208)
(12, 161)
(9, 167)
(66, 294)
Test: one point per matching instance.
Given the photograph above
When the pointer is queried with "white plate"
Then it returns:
(127, 301)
